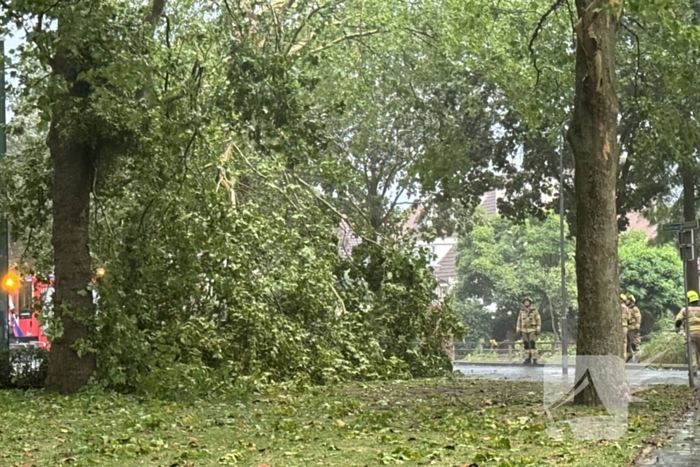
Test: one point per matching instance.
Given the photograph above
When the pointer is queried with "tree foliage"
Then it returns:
(225, 142)
(221, 251)
(500, 263)
(654, 275)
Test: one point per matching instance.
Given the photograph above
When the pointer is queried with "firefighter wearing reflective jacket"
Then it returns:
(634, 339)
(529, 325)
(625, 322)
(693, 313)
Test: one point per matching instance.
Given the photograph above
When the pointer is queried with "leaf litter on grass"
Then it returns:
(420, 422)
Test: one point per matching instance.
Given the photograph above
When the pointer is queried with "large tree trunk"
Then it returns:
(593, 139)
(72, 183)
(73, 156)
(688, 176)
(688, 172)
(70, 367)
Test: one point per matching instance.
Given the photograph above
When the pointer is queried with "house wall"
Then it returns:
(440, 247)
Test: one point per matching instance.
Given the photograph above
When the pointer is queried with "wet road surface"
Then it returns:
(538, 373)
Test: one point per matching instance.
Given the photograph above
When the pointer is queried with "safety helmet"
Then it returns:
(623, 297)
(630, 298)
(692, 296)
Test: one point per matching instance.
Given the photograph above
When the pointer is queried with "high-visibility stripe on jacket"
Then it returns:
(635, 322)
(625, 316)
(529, 321)
(694, 317)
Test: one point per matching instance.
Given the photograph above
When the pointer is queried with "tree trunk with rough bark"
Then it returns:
(73, 156)
(72, 184)
(592, 136)
(688, 177)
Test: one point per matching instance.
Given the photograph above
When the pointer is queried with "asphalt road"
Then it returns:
(531, 373)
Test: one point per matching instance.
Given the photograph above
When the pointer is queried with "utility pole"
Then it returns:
(562, 259)
(689, 255)
(4, 230)
(688, 346)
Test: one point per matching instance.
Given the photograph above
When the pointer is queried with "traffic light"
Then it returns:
(11, 282)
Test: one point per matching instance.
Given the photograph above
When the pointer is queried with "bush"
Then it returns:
(663, 340)
(653, 275)
(23, 368)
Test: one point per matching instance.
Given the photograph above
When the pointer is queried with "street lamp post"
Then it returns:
(562, 259)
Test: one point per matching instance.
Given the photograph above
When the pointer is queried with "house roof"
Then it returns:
(348, 241)
(447, 266)
(638, 222)
(490, 202)
(412, 221)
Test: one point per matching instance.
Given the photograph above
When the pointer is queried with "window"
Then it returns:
(25, 304)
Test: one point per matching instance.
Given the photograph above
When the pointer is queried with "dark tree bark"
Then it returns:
(688, 177)
(73, 157)
(592, 136)
(72, 184)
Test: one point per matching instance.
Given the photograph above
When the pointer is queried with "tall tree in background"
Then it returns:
(650, 273)
(592, 135)
(500, 262)
(688, 172)
(670, 134)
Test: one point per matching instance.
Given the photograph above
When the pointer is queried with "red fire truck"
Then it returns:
(28, 298)
(25, 304)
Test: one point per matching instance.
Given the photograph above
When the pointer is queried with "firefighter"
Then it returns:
(634, 339)
(693, 325)
(625, 322)
(529, 325)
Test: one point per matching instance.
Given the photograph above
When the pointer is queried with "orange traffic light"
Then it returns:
(10, 283)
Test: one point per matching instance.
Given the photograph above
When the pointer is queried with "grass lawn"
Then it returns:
(422, 422)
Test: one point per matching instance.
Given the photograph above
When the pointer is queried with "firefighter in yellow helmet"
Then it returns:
(693, 315)
(625, 322)
(634, 339)
(529, 325)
